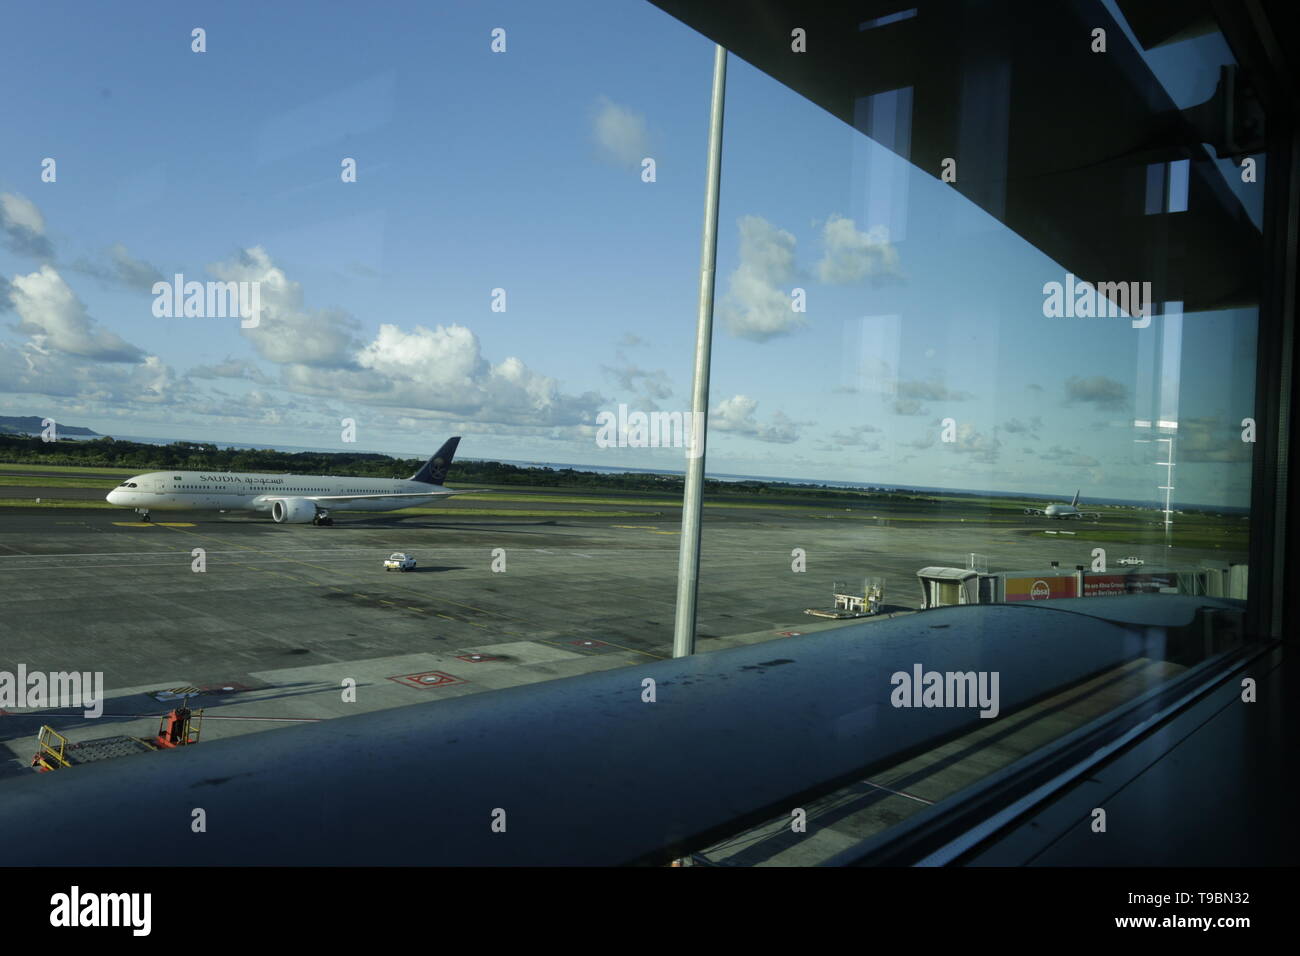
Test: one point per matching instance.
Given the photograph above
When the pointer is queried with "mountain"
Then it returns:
(31, 425)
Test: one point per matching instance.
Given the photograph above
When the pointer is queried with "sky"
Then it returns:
(523, 171)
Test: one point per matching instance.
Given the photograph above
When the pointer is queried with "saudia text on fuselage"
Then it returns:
(247, 481)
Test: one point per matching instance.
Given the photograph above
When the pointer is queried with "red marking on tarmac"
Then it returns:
(790, 633)
(427, 679)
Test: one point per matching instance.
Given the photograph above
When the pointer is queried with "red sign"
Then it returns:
(1040, 589)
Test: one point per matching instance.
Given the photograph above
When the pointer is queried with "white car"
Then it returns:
(397, 561)
(1132, 562)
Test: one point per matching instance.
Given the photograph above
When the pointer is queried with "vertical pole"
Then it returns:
(688, 558)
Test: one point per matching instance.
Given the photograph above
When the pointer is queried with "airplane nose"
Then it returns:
(111, 497)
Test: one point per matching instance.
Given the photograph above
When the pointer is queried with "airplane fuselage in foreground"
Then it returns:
(292, 499)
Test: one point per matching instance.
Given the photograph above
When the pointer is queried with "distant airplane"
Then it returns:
(1064, 511)
(291, 499)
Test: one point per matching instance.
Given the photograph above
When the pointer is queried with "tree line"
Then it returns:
(108, 452)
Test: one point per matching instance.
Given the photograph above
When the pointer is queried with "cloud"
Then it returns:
(1069, 457)
(651, 386)
(113, 387)
(1099, 391)
(232, 368)
(907, 406)
(1030, 428)
(757, 307)
(1210, 439)
(442, 370)
(933, 391)
(288, 332)
(737, 416)
(23, 227)
(620, 133)
(122, 267)
(1016, 426)
(980, 446)
(852, 255)
(56, 320)
(856, 437)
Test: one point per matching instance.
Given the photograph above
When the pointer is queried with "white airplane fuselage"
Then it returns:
(243, 491)
(1061, 511)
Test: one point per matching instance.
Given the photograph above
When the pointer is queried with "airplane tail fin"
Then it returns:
(1075, 502)
(434, 471)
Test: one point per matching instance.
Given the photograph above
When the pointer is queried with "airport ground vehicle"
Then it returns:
(397, 561)
(177, 728)
(1131, 562)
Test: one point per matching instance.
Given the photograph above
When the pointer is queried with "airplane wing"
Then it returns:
(1034, 511)
(1089, 514)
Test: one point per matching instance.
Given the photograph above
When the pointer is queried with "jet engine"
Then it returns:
(293, 510)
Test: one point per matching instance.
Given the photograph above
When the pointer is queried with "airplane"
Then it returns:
(290, 499)
(1064, 511)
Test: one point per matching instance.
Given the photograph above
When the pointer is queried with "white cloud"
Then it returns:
(852, 255)
(122, 267)
(620, 133)
(287, 332)
(931, 391)
(758, 307)
(113, 388)
(856, 437)
(647, 387)
(443, 370)
(983, 448)
(231, 368)
(23, 227)
(56, 320)
(738, 415)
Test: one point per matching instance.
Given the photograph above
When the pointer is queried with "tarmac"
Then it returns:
(262, 625)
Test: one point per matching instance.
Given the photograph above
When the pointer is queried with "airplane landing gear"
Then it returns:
(322, 519)
(143, 513)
